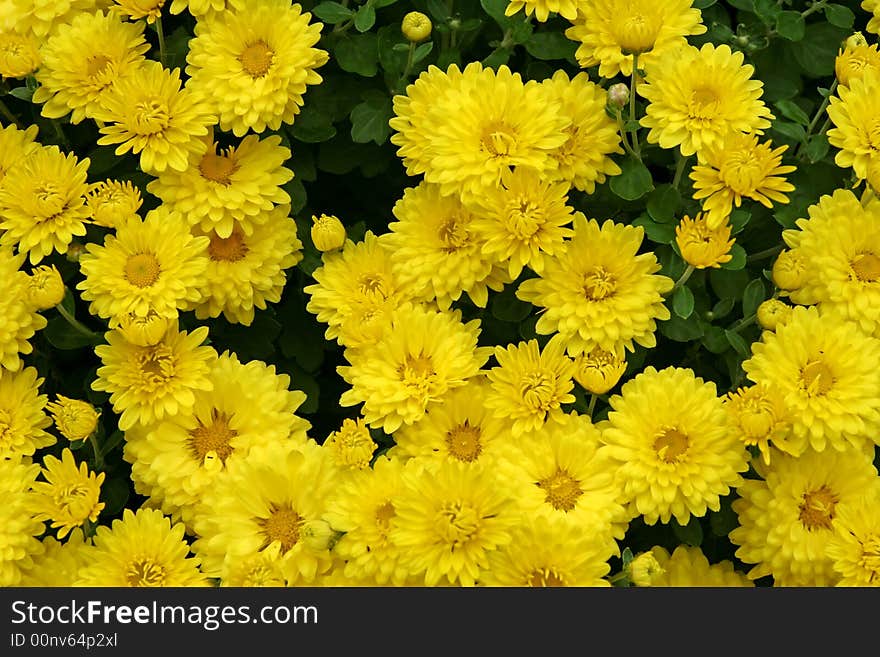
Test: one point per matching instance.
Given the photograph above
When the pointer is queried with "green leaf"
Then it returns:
(496, 9)
(703, 4)
(793, 131)
(358, 53)
(791, 110)
(506, 307)
(818, 49)
(658, 233)
(62, 335)
(723, 307)
(312, 126)
(790, 25)
(753, 296)
(737, 342)
(365, 18)
(738, 220)
(114, 493)
(715, 341)
(22, 93)
(840, 16)
(738, 258)
(683, 302)
(690, 534)
(663, 204)
(682, 330)
(422, 51)
(550, 45)
(369, 120)
(728, 284)
(332, 12)
(724, 520)
(817, 148)
(633, 182)
(438, 9)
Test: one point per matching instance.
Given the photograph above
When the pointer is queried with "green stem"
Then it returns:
(10, 116)
(60, 132)
(767, 253)
(81, 328)
(679, 169)
(632, 105)
(816, 6)
(684, 277)
(815, 119)
(409, 61)
(624, 139)
(592, 406)
(618, 578)
(99, 458)
(744, 323)
(161, 34)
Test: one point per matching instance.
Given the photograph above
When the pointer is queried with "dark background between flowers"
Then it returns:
(345, 165)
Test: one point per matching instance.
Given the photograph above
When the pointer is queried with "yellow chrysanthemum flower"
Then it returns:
(687, 566)
(697, 96)
(355, 291)
(597, 370)
(69, 495)
(854, 547)
(600, 291)
(584, 159)
(460, 428)
(247, 271)
(19, 54)
(786, 519)
(18, 527)
(351, 446)
(223, 189)
(702, 246)
(759, 416)
(22, 418)
(672, 445)
(542, 8)
(43, 18)
(58, 564)
(174, 461)
(872, 7)
(19, 319)
(828, 372)
(855, 58)
(530, 384)
(260, 570)
(137, 9)
(738, 166)
(82, 62)
(548, 552)
(15, 146)
(485, 123)
(150, 383)
(143, 548)
(151, 264)
(446, 525)
(364, 508)
(286, 490)
(422, 355)
(42, 203)
(253, 63)
(112, 203)
(45, 288)
(151, 115)
(75, 419)
(611, 31)
(436, 250)
(521, 220)
(856, 130)
(199, 8)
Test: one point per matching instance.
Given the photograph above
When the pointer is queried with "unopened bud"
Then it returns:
(416, 26)
(75, 419)
(144, 331)
(328, 233)
(773, 313)
(618, 95)
(75, 251)
(789, 270)
(45, 287)
(644, 569)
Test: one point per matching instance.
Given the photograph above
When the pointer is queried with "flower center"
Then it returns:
(637, 33)
(282, 525)
(417, 371)
(545, 577)
(817, 508)
(218, 168)
(74, 501)
(145, 572)
(156, 366)
(742, 173)
(524, 219)
(599, 284)
(756, 417)
(457, 523)
(384, 515)
(151, 117)
(536, 389)
(704, 103)
(6, 430)
(870, 559)
(499, 141)
(373, 283)
(866, 267)
(817, 378)
(256, 59)
(97, 65)
(213, 437)
(50, 201)
(454, 234)
(671, 445)
(562, 490)
(463, 442)
(227, 249)
(142, 269)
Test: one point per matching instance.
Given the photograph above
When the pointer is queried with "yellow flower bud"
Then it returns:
(701, 246)
(75, 419)
(144, 331)
(598, 371)
(19, 54)
(416, 26)
(644, 569)
(773, 313)
(352, 446)
(74, 251)
(855, 58)
(318, 535)
(789, 271)
(328, 233)
(618, 95)
(45, 287)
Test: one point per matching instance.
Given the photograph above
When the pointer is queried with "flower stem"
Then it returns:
(632, 105)
(99, 458)
(623, 138)
(744, 323)
(409, 60)
(592, 406)
(161, 34)
(684, 277)
(768, 253)
(815, 119)
(679, 169)
(9, 115)
(81, 328)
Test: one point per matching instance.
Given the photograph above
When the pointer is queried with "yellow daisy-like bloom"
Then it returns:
(355, 291)
(259, 570)
(460, 428)
(19, 54)
(327, 233)
(672, 445)
(247, 271)
(143, 548)
(702, 246)
(597, 371)
(151, 115)
(69, 495)
(530, 384)
(422, 355)
(522, 220)
(687, 566)
(137, 9)
(75, 419)
(584, 159)
(840, 244)
(600, 292)
(42, 203)
(113, 203)
(786, 519)
(199, 8)
(611, 31)
(364, 508)
(485, 123)
(735, 167)
(45, 287)
(760, 416)
(19, 319)
(542, 8)
(235, 187)
(58, 564)
(351, 445)
(176, 460)
(265, 503)
(697, 96)
(15, 146)
(150, 383)
(872, 7)
(43, 18)
(828, 372)
(854, 547)
(446, 525)
(436, 249)
(855, 58)
(151, 264)
(856, 130)
(773, 313)
(22, 419)
(563, 472)
(252, 64)
(548, 552)
(82, 62)
(18, 526)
